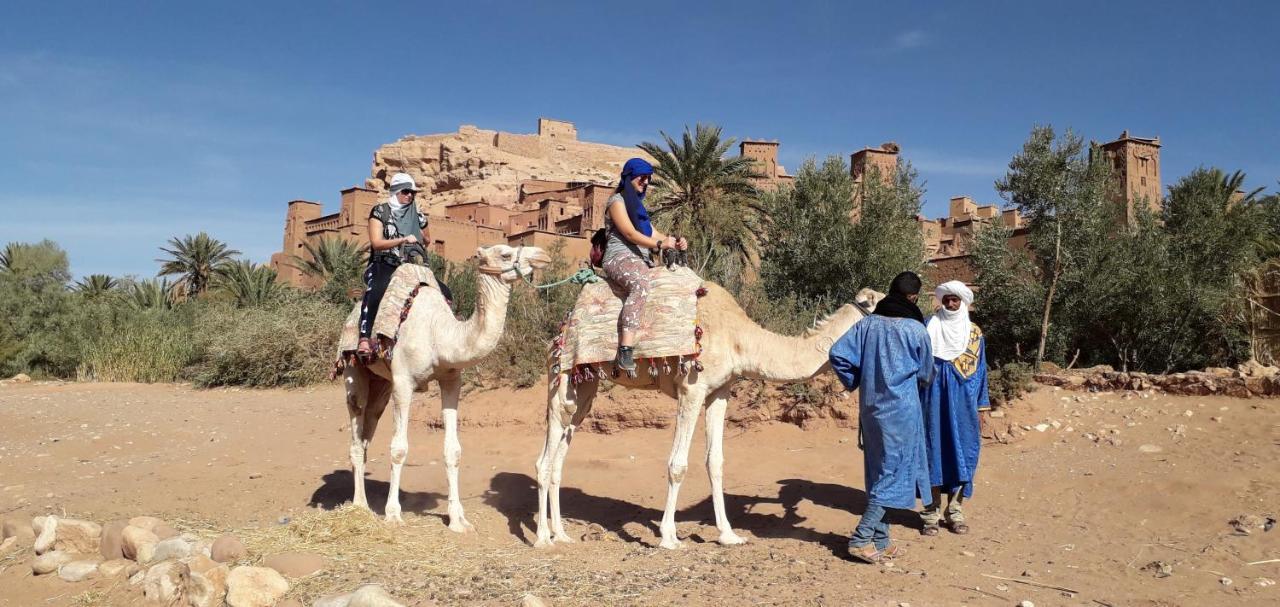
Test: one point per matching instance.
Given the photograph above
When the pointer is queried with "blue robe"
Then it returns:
(890, 361)
(951, 408)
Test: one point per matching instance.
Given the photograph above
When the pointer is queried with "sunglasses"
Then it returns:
(409, 192)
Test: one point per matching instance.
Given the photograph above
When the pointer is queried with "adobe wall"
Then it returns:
(576, 248)
(524, 145)
(557, 129)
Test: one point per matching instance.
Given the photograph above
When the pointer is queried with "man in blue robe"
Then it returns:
(951, 406)
(887, 357)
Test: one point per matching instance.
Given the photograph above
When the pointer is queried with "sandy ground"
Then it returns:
(1121, 481)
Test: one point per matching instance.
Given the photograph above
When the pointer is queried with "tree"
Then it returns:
(248, 284)
(40, 266)
(337, 263)
(195, 260)
(1064, 194)
(815, 251)
(154, 293)
(703, 194)
(1010, 292)
(96, 286)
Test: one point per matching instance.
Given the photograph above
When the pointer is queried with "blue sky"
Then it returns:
(122, 124)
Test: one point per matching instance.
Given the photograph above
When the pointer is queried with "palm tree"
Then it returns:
(703, 194)
(195, 259)
(95, 286)
(156, 293)
(248, 283)
(331, 257)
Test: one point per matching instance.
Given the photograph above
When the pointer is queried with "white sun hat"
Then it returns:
(402, 181)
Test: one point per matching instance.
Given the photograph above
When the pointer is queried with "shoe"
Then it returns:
(364, 351)
(866, 553)
(625, 360)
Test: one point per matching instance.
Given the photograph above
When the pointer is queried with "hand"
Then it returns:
(682, 244)
(667, 243)
(410, 239)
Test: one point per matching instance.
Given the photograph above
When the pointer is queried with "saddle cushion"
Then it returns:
(395, 300)
(667, 322)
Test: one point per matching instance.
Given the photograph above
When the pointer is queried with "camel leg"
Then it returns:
(583, 395)
(356, 380)
(715, 464)
(401, 397)
(557, 395)
(450, 388)
(691, 400)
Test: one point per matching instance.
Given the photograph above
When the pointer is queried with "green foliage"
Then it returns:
(195, 260)
(97, 286)
(154, 293)
(289, 341)
(248, 284)
(1008, 382)
(337, 263)
(1010, 294)
(118, 343)
(41, 266)
(703, 194)
(816, 253)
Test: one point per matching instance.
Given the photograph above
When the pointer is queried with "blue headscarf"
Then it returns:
(633, 198)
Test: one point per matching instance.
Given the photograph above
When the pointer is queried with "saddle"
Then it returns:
(405, 285)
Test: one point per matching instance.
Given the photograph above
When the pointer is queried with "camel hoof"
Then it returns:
(730, 538)
(543, 543)
(563, 538)
(671, 544)
(462, 527)
(394, 519)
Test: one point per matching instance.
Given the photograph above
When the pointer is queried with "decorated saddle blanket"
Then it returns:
(668, 322)
(396, 301)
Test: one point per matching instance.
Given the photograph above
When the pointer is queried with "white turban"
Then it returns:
(949, 331)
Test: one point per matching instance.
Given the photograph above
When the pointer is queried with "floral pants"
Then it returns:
(632, 274)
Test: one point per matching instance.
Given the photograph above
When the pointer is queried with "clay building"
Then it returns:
(766, 173)
(884, 161)
(948, 241)
(1135, 162)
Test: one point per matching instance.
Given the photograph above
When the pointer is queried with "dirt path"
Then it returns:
(1119, 483)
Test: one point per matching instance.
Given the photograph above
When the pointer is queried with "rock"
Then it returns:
(334, 600)
(164, 531)
(997, 414)
(595, 532)
(114, 567)
(166, 581)
(146, 522)
(1041, 427)
(290, 603)
(173, 548)
(49, 562)
(76, 571)
(255, 587)
(19, 529)
(530, 600)
(77, 536)
(8, 544)
(1026, 604)
(46, 528)
(111, 544)
(1225, 581)
(138, 544)
(208, 589)
(1150, 448)
(1159, 569)
(227, 548)
(1264, 582)
(203, 547)
(200, 563)
(295, 564)
(372, 595)
(20, 378)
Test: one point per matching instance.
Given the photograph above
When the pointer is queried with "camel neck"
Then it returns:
(479, 335)
(783, 358)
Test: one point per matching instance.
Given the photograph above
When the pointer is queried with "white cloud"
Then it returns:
(910, 39)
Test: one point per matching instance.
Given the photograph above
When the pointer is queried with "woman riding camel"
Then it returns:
(627, 256)
(395, 237)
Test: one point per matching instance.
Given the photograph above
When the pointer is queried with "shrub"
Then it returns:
(1008, 383)
(124, 344)
(291, 342)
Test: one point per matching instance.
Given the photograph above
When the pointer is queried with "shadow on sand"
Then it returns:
(336, 489)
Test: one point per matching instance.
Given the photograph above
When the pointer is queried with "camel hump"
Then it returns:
(405, 285)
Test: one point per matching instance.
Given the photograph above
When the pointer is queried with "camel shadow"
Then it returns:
(336, 489)
(516, 496)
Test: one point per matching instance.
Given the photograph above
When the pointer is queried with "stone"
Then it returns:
(45, 528)
(173, 548)
(295, 564)
(208, 589)
(49, 562)
(334, 600)
(8, 544)
(1150, 448)
(290, 603)
(200, 563)
(166, 581)
(77, 571)
(19, 529)
(1026, 604)
(255, 587)
(164, 531)
(146, 522)
(111, 544)
(531, 600)
(227, 548)
(373, 595)
(138, 544)
(81, 537)
(114, 567)
(203, 547)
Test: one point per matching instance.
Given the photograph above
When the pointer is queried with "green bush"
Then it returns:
(1008, 383)
(291, 342)
(124, 344)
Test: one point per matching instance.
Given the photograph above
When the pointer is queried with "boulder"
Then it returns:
(114, 567)
(146, 522)
(45, 528)
(227, 548)
(373, 595)
(208, 589)
(138, 544)
(164, 531)
(165, 582)
(19, 529)
(334, 600)
(295, 564)
(200, 563)
(49, 562)
(203, 547)
(255, 587)
(173, 548)
(76, 571)
(81, 537)
(112, 543)
(290, 603)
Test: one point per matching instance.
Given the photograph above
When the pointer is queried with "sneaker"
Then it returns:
(625, 360)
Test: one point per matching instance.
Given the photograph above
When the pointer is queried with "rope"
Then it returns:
(584, 276)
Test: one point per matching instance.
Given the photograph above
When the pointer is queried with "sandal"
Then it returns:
(929, 530)
(625, 361)
(958, 528)
(892, 550)
(866, 554)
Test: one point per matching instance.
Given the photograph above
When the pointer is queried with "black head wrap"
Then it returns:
(896, 304)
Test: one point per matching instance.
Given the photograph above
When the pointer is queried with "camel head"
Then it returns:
(510, 263)
(868, 298)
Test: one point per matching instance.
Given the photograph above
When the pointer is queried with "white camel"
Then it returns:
(433, 345)
(733, 347)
